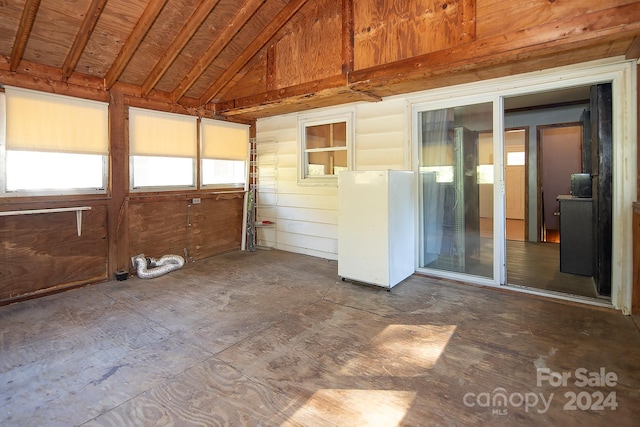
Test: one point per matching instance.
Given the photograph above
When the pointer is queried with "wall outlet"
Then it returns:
(195, 200)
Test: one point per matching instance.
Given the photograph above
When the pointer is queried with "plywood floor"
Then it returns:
(273, 338)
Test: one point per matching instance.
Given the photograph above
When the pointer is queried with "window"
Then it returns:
(325, 147)
(54, 144)
(162, 149)
(223, 152)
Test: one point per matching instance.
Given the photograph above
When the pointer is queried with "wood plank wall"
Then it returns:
(42, 253)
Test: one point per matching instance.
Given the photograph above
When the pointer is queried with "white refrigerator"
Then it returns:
(376, 226)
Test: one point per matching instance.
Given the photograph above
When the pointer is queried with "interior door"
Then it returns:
(559, 156)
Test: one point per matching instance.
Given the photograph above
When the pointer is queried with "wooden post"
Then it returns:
(118, 258)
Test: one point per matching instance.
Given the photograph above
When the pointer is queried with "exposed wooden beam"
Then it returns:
(319, 93)
(258, 43)
(634, 50)
(84, 33)
(188, 30)
(228, 33)
(24, 30)
(151, 12)
(45, 78)
(347, 36)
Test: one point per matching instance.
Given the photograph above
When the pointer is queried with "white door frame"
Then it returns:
(623, 76)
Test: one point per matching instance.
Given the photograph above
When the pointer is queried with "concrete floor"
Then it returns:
(274, 338)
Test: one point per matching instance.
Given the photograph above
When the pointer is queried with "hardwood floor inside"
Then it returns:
(533, 265)
(537, 265)
(277, 339)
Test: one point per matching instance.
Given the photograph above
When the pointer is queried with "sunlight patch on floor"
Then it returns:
(384, 408)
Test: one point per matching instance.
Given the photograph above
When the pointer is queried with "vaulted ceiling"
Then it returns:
(183, 51)
(253, 58)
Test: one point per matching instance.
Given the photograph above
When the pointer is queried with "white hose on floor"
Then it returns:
(148, 268)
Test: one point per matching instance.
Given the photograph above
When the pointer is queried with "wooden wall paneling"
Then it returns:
(216, 225)
(118, 183)
(478, 61)
(499, 17)
(157, 227)
(42, 252)
(313, 49)
(388, 31)
(172, 224)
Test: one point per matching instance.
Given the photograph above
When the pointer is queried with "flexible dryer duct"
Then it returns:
(148, 268)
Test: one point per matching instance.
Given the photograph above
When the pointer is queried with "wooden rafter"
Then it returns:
(258, 43)
(143, 25)
(246, 11)
(193, 23)
(84, 33)
(347, 36)
(26, 24)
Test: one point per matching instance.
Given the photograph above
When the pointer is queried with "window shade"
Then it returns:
(39, 121)
(223, 140)
(154, 133)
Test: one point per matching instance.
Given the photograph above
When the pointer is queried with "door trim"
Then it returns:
(622, 74)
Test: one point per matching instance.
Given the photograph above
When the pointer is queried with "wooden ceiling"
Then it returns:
(180, 51)
(245, 59)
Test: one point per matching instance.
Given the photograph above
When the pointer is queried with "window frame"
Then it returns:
(201, 157)
(194, 159)
(346, 116)
(71, 191)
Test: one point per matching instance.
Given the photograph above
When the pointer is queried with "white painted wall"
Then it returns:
(306, 217)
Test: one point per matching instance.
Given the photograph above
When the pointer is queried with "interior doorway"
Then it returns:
(515, 177)
(559, 157)
(561, 122)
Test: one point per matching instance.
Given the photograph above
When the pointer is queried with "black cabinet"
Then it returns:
(576, 235)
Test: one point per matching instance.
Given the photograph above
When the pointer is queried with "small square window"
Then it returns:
(325, 147)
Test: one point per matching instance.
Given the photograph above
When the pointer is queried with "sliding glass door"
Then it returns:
(456, 187)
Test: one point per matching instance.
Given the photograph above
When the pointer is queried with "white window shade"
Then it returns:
(223, 140)
(153, 133)
(38, 121)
